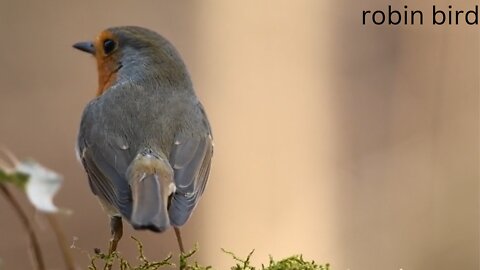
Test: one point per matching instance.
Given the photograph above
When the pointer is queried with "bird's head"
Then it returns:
(133, 53)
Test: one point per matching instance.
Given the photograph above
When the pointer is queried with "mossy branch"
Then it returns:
(295, 262)
(108, 261)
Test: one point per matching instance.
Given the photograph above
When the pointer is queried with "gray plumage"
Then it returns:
(147, 130)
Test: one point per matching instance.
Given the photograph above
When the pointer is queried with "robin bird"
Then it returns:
(145, 140)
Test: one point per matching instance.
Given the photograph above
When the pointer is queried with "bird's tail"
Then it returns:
(151, 181)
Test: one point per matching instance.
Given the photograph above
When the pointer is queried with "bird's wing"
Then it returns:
(190, 159)
(105, 163)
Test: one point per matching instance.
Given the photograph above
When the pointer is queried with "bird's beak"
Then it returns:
(85, 46)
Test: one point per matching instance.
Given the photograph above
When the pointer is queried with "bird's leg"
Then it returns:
(179, 239)
(116, 229)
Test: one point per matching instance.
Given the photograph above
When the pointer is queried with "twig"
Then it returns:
(28, 226)
(10, 156)
(246, 262)
(61, 240)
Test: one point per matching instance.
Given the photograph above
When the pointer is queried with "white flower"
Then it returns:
(41, 186)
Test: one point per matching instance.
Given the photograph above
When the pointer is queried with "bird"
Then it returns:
(144, 140)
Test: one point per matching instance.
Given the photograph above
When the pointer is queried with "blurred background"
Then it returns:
(355, 145)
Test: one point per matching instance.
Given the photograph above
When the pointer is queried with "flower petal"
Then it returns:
(42, 185)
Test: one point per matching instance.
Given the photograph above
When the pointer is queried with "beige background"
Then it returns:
(354, 145)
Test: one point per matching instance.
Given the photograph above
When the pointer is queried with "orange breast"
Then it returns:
(107, 64)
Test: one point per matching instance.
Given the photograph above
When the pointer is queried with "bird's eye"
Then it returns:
(108, 46)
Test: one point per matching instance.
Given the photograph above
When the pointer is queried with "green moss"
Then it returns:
(295, 262)
(116, 261)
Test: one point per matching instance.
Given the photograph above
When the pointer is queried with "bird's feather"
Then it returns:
(105, 164)
(190, 159)
(189, 150)
(149, 206)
